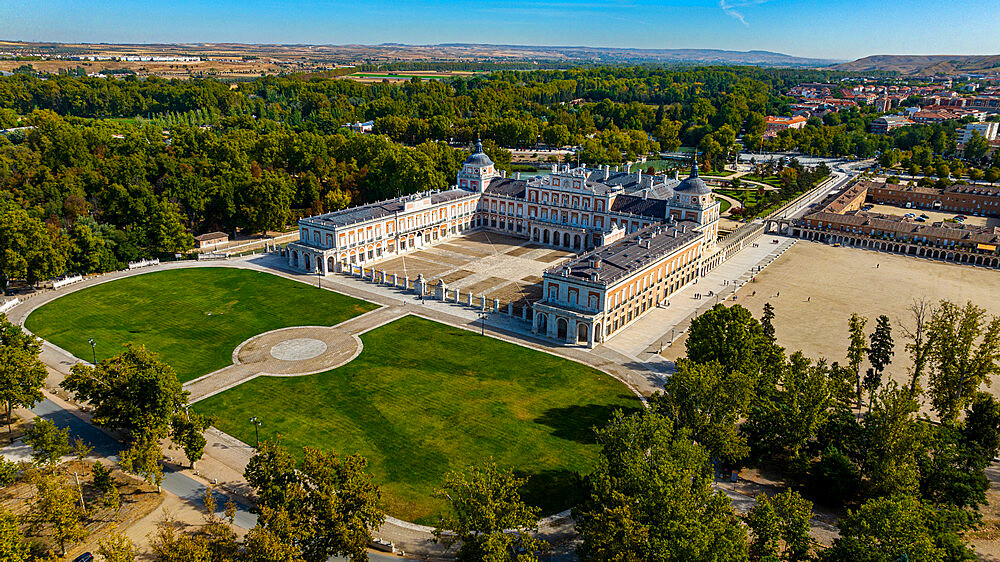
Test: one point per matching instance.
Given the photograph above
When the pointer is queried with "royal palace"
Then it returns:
(637, 238)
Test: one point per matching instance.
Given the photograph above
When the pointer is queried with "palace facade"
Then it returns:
(639, 237)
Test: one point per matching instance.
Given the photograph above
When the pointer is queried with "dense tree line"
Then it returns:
(80, 192)
(86, 196)
(840, 433)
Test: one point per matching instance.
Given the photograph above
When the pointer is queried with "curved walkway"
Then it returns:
(733, 203)
(292, 352)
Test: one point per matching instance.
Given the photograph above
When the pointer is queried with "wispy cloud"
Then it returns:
(734, 8)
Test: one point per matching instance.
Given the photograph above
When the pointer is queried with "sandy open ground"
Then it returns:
(815, 287)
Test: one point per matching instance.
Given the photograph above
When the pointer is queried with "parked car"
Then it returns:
(924, 216)
(85, 557)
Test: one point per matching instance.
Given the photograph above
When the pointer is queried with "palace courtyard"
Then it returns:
(484, 263)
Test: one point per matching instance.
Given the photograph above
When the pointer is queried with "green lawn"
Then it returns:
(193, 318)
(424, 398)
(724, 205)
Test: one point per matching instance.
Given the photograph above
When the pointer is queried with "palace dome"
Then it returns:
(478, 158)
(693, 185)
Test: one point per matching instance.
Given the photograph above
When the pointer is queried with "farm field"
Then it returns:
(424, 398)
(193, 317)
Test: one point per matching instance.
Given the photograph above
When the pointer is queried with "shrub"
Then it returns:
(834, 479)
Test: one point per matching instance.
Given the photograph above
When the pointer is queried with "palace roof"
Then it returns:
(620, 259)
(383, 208)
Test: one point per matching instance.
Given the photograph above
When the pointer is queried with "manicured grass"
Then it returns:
(193, 318)
(724, 205)
(424, 398)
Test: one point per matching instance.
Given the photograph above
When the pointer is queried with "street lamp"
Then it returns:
(93, 349)
(256, 432)
(482, 318)
(319, 279)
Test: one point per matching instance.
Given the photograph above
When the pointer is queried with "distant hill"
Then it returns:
(618, 55)
(924, 65)
(397, 52)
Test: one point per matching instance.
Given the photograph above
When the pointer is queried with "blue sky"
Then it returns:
(843, 29)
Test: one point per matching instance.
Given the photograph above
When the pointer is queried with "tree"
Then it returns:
(976, 175)
(264, 202)
(117, 548)
(105, 483)
(992, 174)
(215, 541)
(780, 527)
(13, 548)
(188, 431)
(880, 353)
(48, 442)
(21, 371)
(650, 498)
(791, 416)
(133, 390)
(262, 544)
(9, 472)
(856, 350)
(767, 323)
(708, 402)
(143, 459)
(976, 147)
(919, 346)
(81, 449)
(487, 516)
(26, 247)
(729, 335)
(964, 354)
(102, 479)
(325, 504)
(893, 441)
(165, 232)
(888, 529)
(56, 506)
(834, 478)
(981, 428)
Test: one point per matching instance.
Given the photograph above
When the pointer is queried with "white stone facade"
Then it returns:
(581, 209)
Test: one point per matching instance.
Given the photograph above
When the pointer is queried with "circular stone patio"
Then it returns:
(301, 350)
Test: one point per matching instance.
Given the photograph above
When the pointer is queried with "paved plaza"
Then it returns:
(500, 267)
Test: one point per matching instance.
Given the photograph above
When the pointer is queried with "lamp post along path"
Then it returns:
(256, 431)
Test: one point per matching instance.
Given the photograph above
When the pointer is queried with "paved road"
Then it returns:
(173, 481)
(839, 176)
